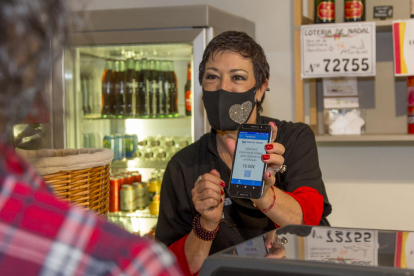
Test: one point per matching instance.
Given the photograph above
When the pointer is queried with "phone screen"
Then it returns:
(248, 167)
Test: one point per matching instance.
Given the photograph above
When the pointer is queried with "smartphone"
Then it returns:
(246, 180)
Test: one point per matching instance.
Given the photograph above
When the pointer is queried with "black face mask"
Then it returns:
(227, 110)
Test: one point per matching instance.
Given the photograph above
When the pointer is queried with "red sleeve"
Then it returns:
(311, 202)
(178, 249)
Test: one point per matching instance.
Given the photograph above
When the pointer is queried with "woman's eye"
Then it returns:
(237, 77)
(211, 77)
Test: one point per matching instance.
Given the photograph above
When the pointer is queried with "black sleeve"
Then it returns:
(301, 159)
(176, 213)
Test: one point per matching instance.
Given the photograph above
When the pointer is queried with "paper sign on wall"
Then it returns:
(334, 245)
(403, 37)
(338, 50)
(340, 93)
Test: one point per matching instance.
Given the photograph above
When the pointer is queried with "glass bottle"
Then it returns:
(354, 10)
(324, 11)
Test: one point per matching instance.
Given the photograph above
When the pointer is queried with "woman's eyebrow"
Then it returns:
(235, 70)
(231, 71)
(212, 68)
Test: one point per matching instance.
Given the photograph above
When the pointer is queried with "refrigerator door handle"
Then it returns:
(199, 118)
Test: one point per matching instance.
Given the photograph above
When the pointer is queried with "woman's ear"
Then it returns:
(261, 90)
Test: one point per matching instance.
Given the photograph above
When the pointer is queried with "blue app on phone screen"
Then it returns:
(248, 167)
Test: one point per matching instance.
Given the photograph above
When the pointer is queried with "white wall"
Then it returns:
(273, 33)
(368, 186)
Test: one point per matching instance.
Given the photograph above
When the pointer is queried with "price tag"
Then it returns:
(403, 32)
(338, 50)
(345, 246)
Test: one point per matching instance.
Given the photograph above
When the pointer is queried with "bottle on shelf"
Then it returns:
(153, 89)
(113, 98)
(160, 93)
(131, 88)
(147, 154)
(324, 11)
(160, 177)
(83, 93)
(108, 81)
(174, 91)
(163, 154)
(182, 142)
(139, 154)
(95, 96)
(354, 10)
(188, 94)
(154, 189)
(145, 143)
(89, 93)
(144, 88)
(154, 206)
(156, 141)
(412, 8)
(166, 88)
(170, 142)
(120, 87)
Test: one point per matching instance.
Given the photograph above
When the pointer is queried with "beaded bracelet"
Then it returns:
(271, 206)
(202, 233)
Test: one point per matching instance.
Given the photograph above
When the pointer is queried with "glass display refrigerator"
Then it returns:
(317, 250)
(129, 82)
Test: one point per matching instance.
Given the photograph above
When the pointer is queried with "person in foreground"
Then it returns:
(39, 234)
(197, 216)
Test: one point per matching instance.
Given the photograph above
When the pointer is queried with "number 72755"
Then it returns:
(346, 65)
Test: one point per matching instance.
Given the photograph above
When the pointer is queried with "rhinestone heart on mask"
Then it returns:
(240, 113)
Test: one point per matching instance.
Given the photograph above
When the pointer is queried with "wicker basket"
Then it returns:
(79, 176)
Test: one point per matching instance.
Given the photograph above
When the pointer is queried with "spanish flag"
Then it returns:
(403, 42)
(404, 250)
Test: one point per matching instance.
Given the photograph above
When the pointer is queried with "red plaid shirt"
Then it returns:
(41, 235)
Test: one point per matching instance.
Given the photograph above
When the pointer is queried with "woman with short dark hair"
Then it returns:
(197, 215)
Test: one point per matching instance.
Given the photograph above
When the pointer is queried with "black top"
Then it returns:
(241, 220)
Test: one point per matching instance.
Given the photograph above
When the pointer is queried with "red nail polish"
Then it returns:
(222, 184)
(222, 192)
(273, 123)
(269, 174)
(265, 157)
(221, 200)
(269, 146)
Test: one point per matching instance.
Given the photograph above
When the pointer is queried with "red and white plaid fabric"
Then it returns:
(41, 235)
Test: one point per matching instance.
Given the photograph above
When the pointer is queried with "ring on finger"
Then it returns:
(199, 179)
(281, 241)
(281, 169)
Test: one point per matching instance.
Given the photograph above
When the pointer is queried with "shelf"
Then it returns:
(365, 138)
(99, 117)
(137, 163)
(136, 214)
(381, 26)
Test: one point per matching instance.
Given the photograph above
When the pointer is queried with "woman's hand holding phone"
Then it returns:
(208, 199)
(274, 159)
